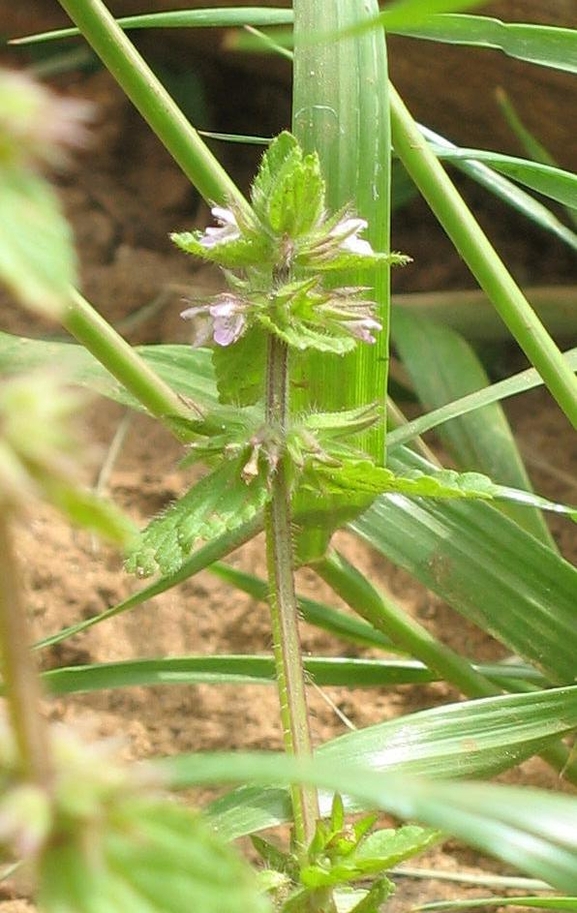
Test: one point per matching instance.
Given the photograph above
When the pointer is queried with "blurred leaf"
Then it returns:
(533, 830)
(148, 856)
(91, 512)
(485, 567)
(37, 260)
(547, 45)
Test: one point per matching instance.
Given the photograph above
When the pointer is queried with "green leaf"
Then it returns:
(512, 386)
(218, 503)
(202, 18)
(555, 183)
(443, 367)
(240, 369)
(546, 45)
(37, 260)
(532, 829)
(226, 669)
(231, 254)
(296, 201)
(149, 857)
(502, 187)
(473, 739)
(485, 567)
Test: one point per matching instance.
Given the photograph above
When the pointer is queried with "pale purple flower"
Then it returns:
(363, 329)
(346, 233)
(345, 310)
(227, 231)
(342, 238)
(225, 319)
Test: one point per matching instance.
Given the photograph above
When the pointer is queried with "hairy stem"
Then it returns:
(20, 678)
(283, 602)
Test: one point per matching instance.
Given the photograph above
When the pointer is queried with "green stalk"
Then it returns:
(340, 105)
(283, 602)
(19, 673)
(152, 100)
(118, 357)
(476, 250)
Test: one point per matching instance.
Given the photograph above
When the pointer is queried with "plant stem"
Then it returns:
(21, 681)
(283, 602)
(477, 252)
(113, 352)
(152, 100)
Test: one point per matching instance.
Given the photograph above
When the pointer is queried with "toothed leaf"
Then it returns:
(218, 503)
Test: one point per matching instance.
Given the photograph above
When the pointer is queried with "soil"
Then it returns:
(123, 195)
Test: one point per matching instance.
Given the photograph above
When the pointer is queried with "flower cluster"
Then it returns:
(282, 250)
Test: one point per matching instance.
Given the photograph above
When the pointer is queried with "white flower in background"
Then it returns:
(227, 231)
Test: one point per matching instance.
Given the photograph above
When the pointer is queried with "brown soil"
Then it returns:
(123, 196)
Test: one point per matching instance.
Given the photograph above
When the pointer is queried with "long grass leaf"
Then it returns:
(547, 45)
(228, 669)
(444, 367)
(341, 110)
(512, 386)
(485, 567)
(484, 263)
(499, 185)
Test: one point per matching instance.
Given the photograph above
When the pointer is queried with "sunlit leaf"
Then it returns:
(221, 501)
(533, 830)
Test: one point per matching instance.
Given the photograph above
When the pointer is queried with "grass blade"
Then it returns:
(547, 45)
(341, 109)
(443, 367)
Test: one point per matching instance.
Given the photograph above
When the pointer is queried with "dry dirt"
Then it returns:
(123, 196)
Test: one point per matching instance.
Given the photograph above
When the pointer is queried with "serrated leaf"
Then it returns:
(37, 260)
(304, 337)
(232, 254)
(296, 201)
(283, 149)
(218, 503)
(240, 369)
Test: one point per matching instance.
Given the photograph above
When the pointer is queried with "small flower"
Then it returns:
(346, 234)
(345, 310)
(228, 230)
(226, 319)
(340, 240)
